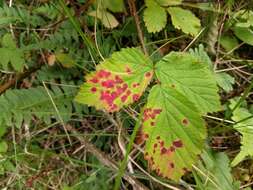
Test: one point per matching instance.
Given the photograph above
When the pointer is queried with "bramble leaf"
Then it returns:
(155, 17)
(118, 81)
(246, 130)
(173, 130)
(187, 74)
(184, 20)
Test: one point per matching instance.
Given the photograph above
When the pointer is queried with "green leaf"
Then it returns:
(65, 59)
(114, 6)
(169, 2)
(155, 17)
(246, 130)
(118, 81)
(173, 130)
(184, 20)
(3, 146)
(107, 19)
(217, 172)
(225, 81)
(9, 53)
(228, 42)
(191, 77)
(244, 34)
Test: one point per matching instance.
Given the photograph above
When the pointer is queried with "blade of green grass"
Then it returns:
(88, 42)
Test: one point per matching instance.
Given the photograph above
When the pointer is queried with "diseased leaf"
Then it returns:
(118, 81)
(246, 130)
(184, 20)
(173, 130)
(108, 20)
(155, 17)
(191, 77)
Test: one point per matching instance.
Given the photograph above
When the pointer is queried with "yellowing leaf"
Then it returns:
(173, 130)
(184, 20)
(155, 17)
(192, 78)
(108, 20)
(118, 81)
(65, 59)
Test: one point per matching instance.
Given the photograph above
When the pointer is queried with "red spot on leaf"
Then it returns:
(123, 98)
(94, 80)
(146, 136)
(128, 70)
(161, 143)
(125, 86)
(108, 84)
(136, 97)
(155, 145)
(152, 123)
(172, 149)
(136, 85)
(148, 74)
(172, 165)
(93, 89)
(178, 143)
(163, 150)
(185, 121)
(128, 92)
(103, 74)
(118, 79)
(158, 138)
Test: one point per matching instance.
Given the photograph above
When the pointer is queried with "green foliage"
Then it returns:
(184, 20)
(171, 121)
(214, 173)
(10, 54)
(155, 16)
(20, 106)
(192, 78)
(245, 127)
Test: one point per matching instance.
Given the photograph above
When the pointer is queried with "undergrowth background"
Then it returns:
(49, 141)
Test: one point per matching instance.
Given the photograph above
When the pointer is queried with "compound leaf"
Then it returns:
(155, 17)
(192, 78)
(118, 81)
(10, 54)
(173, 130)
(184, 20)
(246, 129)
(216, 167)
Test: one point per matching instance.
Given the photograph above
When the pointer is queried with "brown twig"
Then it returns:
(18, 77)
(104, 159)
(133, 12)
